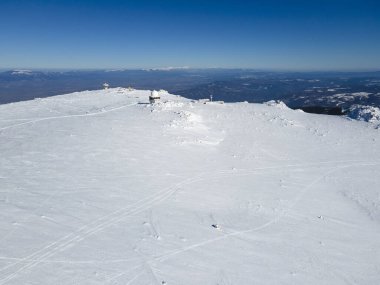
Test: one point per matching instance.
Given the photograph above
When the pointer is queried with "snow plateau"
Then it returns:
(101, 187)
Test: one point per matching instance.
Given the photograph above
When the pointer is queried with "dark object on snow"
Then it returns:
(216, 226)
(154, 97)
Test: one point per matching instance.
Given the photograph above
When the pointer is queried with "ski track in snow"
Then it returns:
(108, 220)
(32, 121)
(145, 265)
(90, 229)
(302, 193)
(56, 193)
(114, 278)
(267, 224)
(107, 261)
(135, 278)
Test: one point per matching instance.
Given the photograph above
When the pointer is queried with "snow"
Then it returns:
(101, 187)
(351, 96)
(22, 72)
(277, 103)
(154, 94)
(169, 68)
(361, 94)
(365, 113)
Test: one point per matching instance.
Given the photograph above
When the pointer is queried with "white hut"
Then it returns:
(154, 97)
(106, 86)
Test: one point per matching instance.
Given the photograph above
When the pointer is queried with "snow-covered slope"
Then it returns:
(102, 188)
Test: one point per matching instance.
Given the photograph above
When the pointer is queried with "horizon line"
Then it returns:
(184, 68)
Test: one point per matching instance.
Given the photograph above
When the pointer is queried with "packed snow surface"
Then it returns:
(103, 188)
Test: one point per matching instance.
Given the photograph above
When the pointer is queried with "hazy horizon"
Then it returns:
(170, 68)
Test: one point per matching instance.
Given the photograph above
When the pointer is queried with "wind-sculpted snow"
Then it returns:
(102, 187)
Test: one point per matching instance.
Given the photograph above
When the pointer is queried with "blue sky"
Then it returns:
(283, 34)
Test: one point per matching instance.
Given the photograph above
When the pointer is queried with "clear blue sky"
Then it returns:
(269, 34)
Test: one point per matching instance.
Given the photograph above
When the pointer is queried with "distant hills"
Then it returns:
(308, 90)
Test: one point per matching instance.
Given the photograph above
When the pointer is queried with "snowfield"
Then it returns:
(101, 187)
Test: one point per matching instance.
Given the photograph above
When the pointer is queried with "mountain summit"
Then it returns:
(102, 187)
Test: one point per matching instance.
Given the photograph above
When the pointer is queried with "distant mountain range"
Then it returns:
(312, 91)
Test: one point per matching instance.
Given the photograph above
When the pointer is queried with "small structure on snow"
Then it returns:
(106, 86)
(154, 97)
